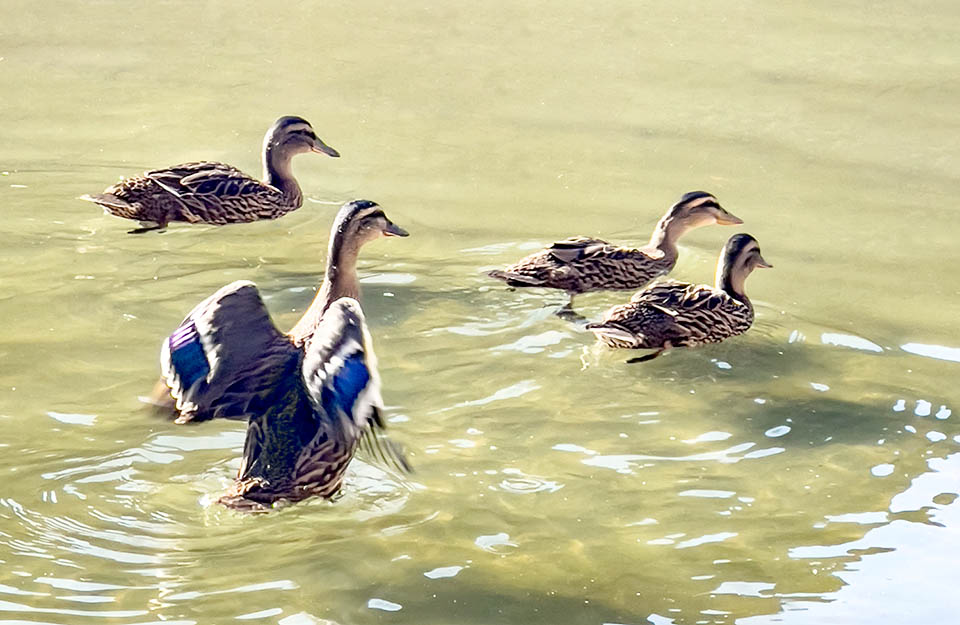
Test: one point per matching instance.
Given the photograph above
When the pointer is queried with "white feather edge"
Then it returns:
(614, 333)
(369, 397)
(210, 350)
(153, 177)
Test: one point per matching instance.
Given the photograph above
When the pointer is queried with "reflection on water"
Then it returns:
(933, 351)
(893, 563)
(803, 472)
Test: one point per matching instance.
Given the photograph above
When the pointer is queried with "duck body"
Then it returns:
(679, 314)
(202, 192)
(216, 193)
(581, 264)
(321, 402)
(674, 314)
(310, 397)
(220, 358)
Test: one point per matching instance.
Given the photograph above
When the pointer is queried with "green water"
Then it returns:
(803, 473)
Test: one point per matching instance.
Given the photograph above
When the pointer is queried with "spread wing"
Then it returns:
(221, 357)
(341, 380)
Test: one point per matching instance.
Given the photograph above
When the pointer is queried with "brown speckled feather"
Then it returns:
(581, 264)
(216, 193)
(201, 192)
(220, 194)
(674, 313)
(324, 402)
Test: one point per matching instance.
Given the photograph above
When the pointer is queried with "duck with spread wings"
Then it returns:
(311, 396)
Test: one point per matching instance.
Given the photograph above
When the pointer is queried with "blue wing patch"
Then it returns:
(187, 359)
(347, 384)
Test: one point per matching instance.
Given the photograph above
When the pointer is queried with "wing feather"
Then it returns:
(206, 186)
(341, 379)
(214, 363)
(577, 248)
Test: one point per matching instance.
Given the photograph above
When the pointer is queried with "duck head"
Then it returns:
(699, 208)
(362, 221)
(292, 135)
(739, 257)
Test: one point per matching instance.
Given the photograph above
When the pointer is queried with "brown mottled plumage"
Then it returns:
(322, 404)
(311, 397)
(581, 264)
(229, 393)
(679, 314)
(216, 193)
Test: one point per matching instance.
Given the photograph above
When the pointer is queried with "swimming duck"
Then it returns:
(216, 193)
(311, 396)
(318, 404)
(581, 264)
(204, 386)
(678, 314)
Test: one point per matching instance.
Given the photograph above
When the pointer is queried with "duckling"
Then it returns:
(214, 364)
(215, 193)
(581, 264)
(678, 314)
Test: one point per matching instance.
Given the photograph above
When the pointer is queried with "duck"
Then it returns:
(318, 405)
(198, 385)
(581, 264)
(208, 192)
(679, 314)
(310, 396)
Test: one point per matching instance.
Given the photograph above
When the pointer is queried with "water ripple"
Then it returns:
(624, 463)
(521, 483)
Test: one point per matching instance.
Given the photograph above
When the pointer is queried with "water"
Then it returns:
(804, 473)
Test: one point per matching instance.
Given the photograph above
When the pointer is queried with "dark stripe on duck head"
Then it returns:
(736, 245)
(351, 210)
(696, 198)
(289, 126)
(732, 269)
(289, 120)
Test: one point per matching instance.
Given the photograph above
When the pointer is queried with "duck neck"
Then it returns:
(278, 172)
(340, 280)
(665, 235)
(731, 281)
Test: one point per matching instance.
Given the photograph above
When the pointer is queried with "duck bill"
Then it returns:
(393, 230)
(728, 219)
(322, 148)
(764, 264)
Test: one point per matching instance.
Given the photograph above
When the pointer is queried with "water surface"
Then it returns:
(803, 473)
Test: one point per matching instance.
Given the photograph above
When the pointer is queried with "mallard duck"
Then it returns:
(318, 404)
(678, 314)
(222, 389)
(310, 395)
(215, 193)
(581, 264)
